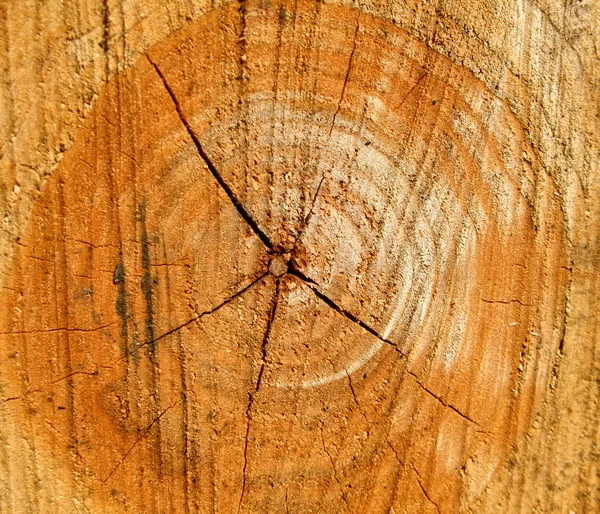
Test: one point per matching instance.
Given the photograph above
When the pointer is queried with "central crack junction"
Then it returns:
(279, 264)
(282, 260)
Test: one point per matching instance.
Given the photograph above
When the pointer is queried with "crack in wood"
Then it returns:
(43, 387)
(252, 395)
(351, 385)
(267, 335)
(96, 371)
(506, 302)
(206, 313)
(306, 220)
(243, 212)
(315, 289)
(11, 399)
(147, 280)
(87, 243)
(443, 402)
(335, 472)
(88, 373)
(347, 314)
(411, 90)
(53, 330)
(339, 106)
(423, 489)
(394, 451)
(138, 440)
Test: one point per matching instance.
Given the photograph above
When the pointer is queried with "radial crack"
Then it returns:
(394, 451)
(88, 373)
(335, 473)
(52, 330)
(353, 391)
(315, 289)
(506, 302)
(339, 106)
(214, 171)
(306, 220)
(10, 399)
(267, 335)
(423, 489)
(347, 314)
(360, 409)
(440, 400)
(43, 387)
(252, 395)
(411, 90)
(206, 313)
(137, 441)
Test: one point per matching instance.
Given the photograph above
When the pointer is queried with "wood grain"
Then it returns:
(296, 260)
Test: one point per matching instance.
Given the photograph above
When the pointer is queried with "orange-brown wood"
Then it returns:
(296, 260)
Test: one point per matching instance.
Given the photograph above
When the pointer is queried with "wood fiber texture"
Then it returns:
(304, 257)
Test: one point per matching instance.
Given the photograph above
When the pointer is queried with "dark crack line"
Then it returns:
(42, 388)
(351, 385)
(39, 258)
(354, 395)
(252, 395)
(506, 302)
(11, 399)
(234, 200)
(316, 290)
(287, 510)
(444, 403)
(293, 270)
(333, 466)
(339, 106)
(53, 330)
(88, 373)
(265, 340)
(394, 451)
(205, 313)
(144, 434)
(95, 247)
(423, 489)
(308, 217)
(245, 465)
(313, 204)
(411, 90)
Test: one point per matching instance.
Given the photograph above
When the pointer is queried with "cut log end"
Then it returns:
(324, 276)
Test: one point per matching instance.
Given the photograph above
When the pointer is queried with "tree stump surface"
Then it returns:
(299, 257)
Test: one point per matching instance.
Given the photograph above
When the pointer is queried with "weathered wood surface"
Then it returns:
(299, 257)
